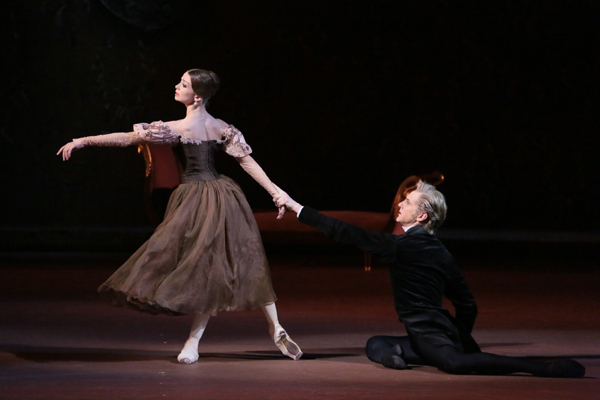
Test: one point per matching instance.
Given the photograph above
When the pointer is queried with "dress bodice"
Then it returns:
(197, 161)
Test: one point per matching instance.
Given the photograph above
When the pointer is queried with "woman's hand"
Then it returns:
(283, 200)
(282, 211)
(280, 199)
(67, 149)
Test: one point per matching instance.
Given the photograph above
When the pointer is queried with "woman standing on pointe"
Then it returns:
(207, 255)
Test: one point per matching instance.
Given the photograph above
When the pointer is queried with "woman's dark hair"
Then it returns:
(205, 83)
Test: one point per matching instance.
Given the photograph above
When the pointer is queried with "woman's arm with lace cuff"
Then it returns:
(157, 132)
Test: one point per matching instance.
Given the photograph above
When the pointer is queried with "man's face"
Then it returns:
(408, 215)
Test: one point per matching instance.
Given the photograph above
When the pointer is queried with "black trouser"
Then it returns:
(448, 358)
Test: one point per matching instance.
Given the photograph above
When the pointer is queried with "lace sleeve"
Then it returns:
(157, 133)
(235, 145)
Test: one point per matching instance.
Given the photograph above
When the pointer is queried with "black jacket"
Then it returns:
(422, 271)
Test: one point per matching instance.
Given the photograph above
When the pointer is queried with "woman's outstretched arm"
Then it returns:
(118, 139)
(157, 132)
(258, 174)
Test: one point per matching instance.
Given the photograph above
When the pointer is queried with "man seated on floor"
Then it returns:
(422, 271)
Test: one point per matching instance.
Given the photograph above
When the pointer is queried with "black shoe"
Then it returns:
(564, 369)
(394, 362)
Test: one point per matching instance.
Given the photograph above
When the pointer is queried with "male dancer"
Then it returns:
(422, 272)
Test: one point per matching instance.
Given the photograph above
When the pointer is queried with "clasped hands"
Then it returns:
(284, 202)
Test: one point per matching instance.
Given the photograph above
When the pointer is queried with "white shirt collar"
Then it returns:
(407, 228)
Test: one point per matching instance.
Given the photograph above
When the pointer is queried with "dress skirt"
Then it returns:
(206, 256)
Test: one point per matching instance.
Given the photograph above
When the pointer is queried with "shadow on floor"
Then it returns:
(62, 354)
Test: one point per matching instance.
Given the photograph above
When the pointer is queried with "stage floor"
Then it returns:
(60, 340)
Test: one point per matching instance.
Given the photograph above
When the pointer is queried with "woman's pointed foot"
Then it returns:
(189, 353)
(285, 344)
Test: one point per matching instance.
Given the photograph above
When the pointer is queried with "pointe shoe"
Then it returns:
(189, 353)
(285, 344)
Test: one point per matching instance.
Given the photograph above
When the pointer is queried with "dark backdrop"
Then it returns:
(340, 101)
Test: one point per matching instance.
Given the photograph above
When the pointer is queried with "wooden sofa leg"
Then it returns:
(367, 261)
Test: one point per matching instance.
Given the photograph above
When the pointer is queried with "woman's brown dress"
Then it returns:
(207, 255)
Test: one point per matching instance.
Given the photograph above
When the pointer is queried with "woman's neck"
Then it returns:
(196, 110)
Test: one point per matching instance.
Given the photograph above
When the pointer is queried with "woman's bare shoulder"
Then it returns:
(216, 128)
(174, 125)
(218, 124)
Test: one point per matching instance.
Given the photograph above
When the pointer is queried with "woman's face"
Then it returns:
(184, 92)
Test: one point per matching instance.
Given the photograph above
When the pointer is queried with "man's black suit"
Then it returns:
(422, 271)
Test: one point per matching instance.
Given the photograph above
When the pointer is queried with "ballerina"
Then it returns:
(207, 255)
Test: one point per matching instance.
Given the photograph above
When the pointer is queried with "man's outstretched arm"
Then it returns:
(381, 244)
